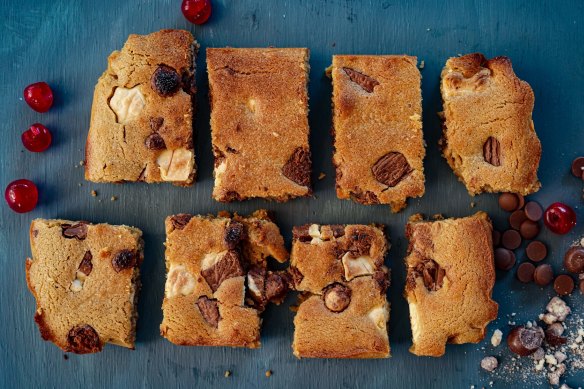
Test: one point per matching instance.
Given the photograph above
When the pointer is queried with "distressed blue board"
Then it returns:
(67, 43)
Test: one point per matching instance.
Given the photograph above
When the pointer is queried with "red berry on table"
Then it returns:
(21, 195)
(559, 218)
(37, 138)
(196, 11)
(39, 96)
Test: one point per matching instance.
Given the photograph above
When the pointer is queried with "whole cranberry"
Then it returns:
(21, 195)
(37, 138)
(196, 11)
(559, 218)
(39, 96)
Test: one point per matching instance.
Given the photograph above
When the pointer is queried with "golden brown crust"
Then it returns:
(377, 108)
(259, 123)
(119, 146)
(457, 307)
(484, 99)
(105, 299)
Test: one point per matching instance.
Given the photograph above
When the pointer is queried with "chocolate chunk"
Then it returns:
(359, 243)
(86, 266)
(536, 251)
(574, 260)
(492, 151)
(277, 286)
(233, 234)
(155, 142)
(525, 272)
(529, 229)
(77, 231)
(525, 341)
(227, 267)
(508, 202)
(511, 239)
(543, 275)
(296, 276)
(382, 280)
(256, 275)
(390, 169)
(181, 220)
(504, 259)
(156, 123)
(516, 219)
(165, 81)
(521, 200)
(124, 259)
(431, 272)
(300, 233)
(533, 211)
(83, 339)
(337, 297)
(209, 309)
(563, 284)
(338, 230)
(553, 334)
(578, 167)
(366, 198)
(365, 82)
(188, 82)
(496, 238)
(297, 168)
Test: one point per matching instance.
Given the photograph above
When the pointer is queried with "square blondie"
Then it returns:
(489, 139)
(449, 283)
(259, 123)
(377, 129)
(343, 310)
(217, 280)
(85, 279)
(142, 115)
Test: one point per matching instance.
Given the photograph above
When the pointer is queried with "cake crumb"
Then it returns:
(422, 64)
(321, 176)
(114, 198)
(268, 373)
(65, 356)
(93, 193)
(227, 373)
(473, 204)
(496, 338)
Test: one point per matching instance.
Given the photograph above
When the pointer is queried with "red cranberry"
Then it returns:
(39, 96)
(559, 218)
(37, 138)
(21, 195)
(196, 11)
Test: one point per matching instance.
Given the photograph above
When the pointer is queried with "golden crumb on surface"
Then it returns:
(473, 204)
(227, 373)
(321, 176)
(268, 373)
(93, 193)
(81, 163)
(422, 64)
(114, 198)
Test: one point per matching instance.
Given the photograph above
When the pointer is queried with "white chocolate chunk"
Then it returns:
(76, 285)
(357, 266)
(175, 165)
(127, 103)
(313, 231)
(210, 259)
(179, 281)
(379, 316)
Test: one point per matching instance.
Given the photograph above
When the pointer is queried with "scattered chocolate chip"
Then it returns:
(508, 202)
(124, 259)
(165, 81)
(529, 229)
(297, 168)
(155, 142)
(504, 259)
(277, 286)
(578, 167)
(533, 211)
(525, 272)
(391, 169)
(516, 219)
(83, 339)
(563, 284)
(543, 275)
(511, 239)
(496, 238)
(365, 82)
(86, 266)
(536, 251)
(209, 309)
(337, 297)
(77, 231)
(156, 123)
(521, 200)
(492, 151)
(553, 334)
(227, 267)
(525, 341)
(181, 220)
(359, 243)
(233, 234)
(574, 260)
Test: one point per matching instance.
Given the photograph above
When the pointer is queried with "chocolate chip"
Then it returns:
(297, 168)
(155, 142)
(124, 259)
(256, 275)
(228, 266)
(77, 231)
(359, 243)
(525, 341)
(337, 297)
(365, 82)
(496, 238)
(86, 266)
(391, 169)
(504, 259)
(516, 219)
(511, 239)
(521, 200)
(181, 220)
(165, 81)
(578, 167)
(209, 309)
(536, 251)
(83, 339)
(525, 272)
(431, 272)
(543, 275)
(277, 285)
(233, 234)
(492, 151)
(300, 233)
(553, 334)
(508, 202)
(156, 123)
(529, 229)
(563, 284)
(574, 260)
(533, 211)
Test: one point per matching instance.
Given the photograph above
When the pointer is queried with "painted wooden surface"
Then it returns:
(66, 43)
